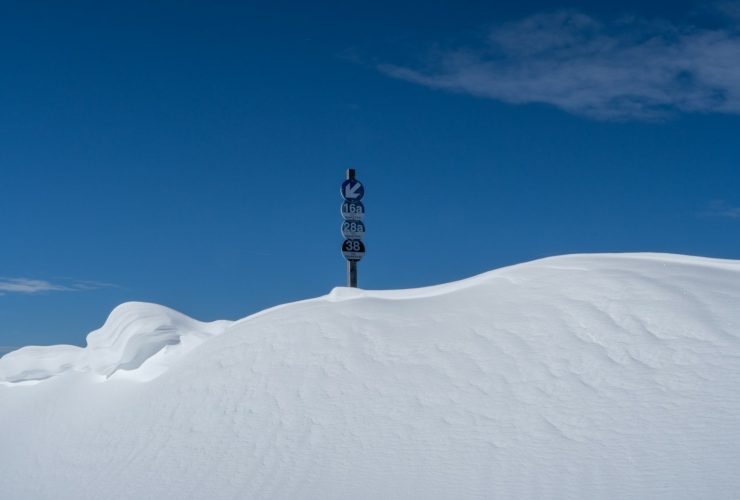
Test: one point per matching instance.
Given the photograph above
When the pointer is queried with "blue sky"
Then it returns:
(190, 153)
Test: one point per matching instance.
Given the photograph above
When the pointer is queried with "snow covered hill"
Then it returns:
(585, 376)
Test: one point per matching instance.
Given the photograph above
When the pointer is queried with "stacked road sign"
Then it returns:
(353, 213)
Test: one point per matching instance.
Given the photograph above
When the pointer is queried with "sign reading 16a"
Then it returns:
(353, 210)
(353, 230)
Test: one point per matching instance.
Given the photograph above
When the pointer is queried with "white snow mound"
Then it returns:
(34, 363)
(584, 376)
(133, 333)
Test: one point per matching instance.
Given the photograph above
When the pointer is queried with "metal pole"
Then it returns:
(351, 264)
(352, 274)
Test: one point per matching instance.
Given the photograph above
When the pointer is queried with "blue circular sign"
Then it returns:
(353, 210)
(352, 190)
(353, 230)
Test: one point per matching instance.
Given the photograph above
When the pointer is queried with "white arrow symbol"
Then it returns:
(350, 190)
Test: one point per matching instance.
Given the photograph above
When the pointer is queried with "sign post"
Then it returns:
(353, 227)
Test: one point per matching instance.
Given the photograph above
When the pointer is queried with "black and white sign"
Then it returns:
(353, 230)
(353, 250)
(353, 210)
(352, 190)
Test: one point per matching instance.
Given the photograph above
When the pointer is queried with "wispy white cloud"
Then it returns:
(629, 68)
(720, 208)
(23, 285)
(30, 286)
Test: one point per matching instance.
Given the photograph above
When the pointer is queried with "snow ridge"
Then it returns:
(583, 376)
(134, 333)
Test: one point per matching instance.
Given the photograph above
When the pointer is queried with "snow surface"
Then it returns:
(584, 376)
(133, 334)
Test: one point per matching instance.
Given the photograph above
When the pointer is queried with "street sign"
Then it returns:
(353, 210)
(353, 250)
(352, 190)
(353, 230)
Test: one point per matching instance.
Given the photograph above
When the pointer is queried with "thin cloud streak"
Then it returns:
(720, 208)
(32, 286)
(622, 70)
(23, 285)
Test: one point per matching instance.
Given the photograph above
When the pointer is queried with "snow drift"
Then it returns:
(601, 376)
(133, 333)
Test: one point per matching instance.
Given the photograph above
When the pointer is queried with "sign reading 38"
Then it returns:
(353, 250)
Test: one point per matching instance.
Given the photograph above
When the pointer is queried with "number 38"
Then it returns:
(353, 246)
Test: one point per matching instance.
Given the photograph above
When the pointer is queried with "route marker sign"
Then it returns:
(353, 250)
(353, 230)
(352, 190)
(353, 210)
